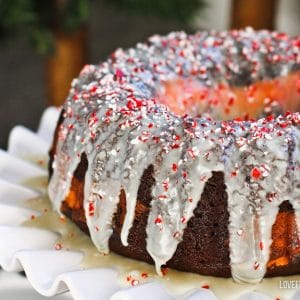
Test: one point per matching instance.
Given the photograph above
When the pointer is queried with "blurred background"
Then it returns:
(44, 44)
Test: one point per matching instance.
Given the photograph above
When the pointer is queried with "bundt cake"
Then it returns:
(184, 152)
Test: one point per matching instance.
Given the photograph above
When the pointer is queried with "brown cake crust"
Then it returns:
(205, 245)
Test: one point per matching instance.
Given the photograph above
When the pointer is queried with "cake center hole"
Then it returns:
(224, 102)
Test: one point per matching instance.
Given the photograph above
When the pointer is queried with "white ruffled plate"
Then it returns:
(51, 272)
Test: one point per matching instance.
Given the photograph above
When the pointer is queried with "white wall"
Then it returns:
(288, 17)
(217, 16)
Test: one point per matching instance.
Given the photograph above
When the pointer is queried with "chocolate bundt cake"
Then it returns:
(184, 152)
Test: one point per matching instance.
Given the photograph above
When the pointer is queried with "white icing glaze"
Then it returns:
(141, 157)
(111, 116)
(175, 200)
(251, 214)
(295, 186)
(104, 193)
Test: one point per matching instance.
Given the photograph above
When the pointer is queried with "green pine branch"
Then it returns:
(180, 10)
(37, 19)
